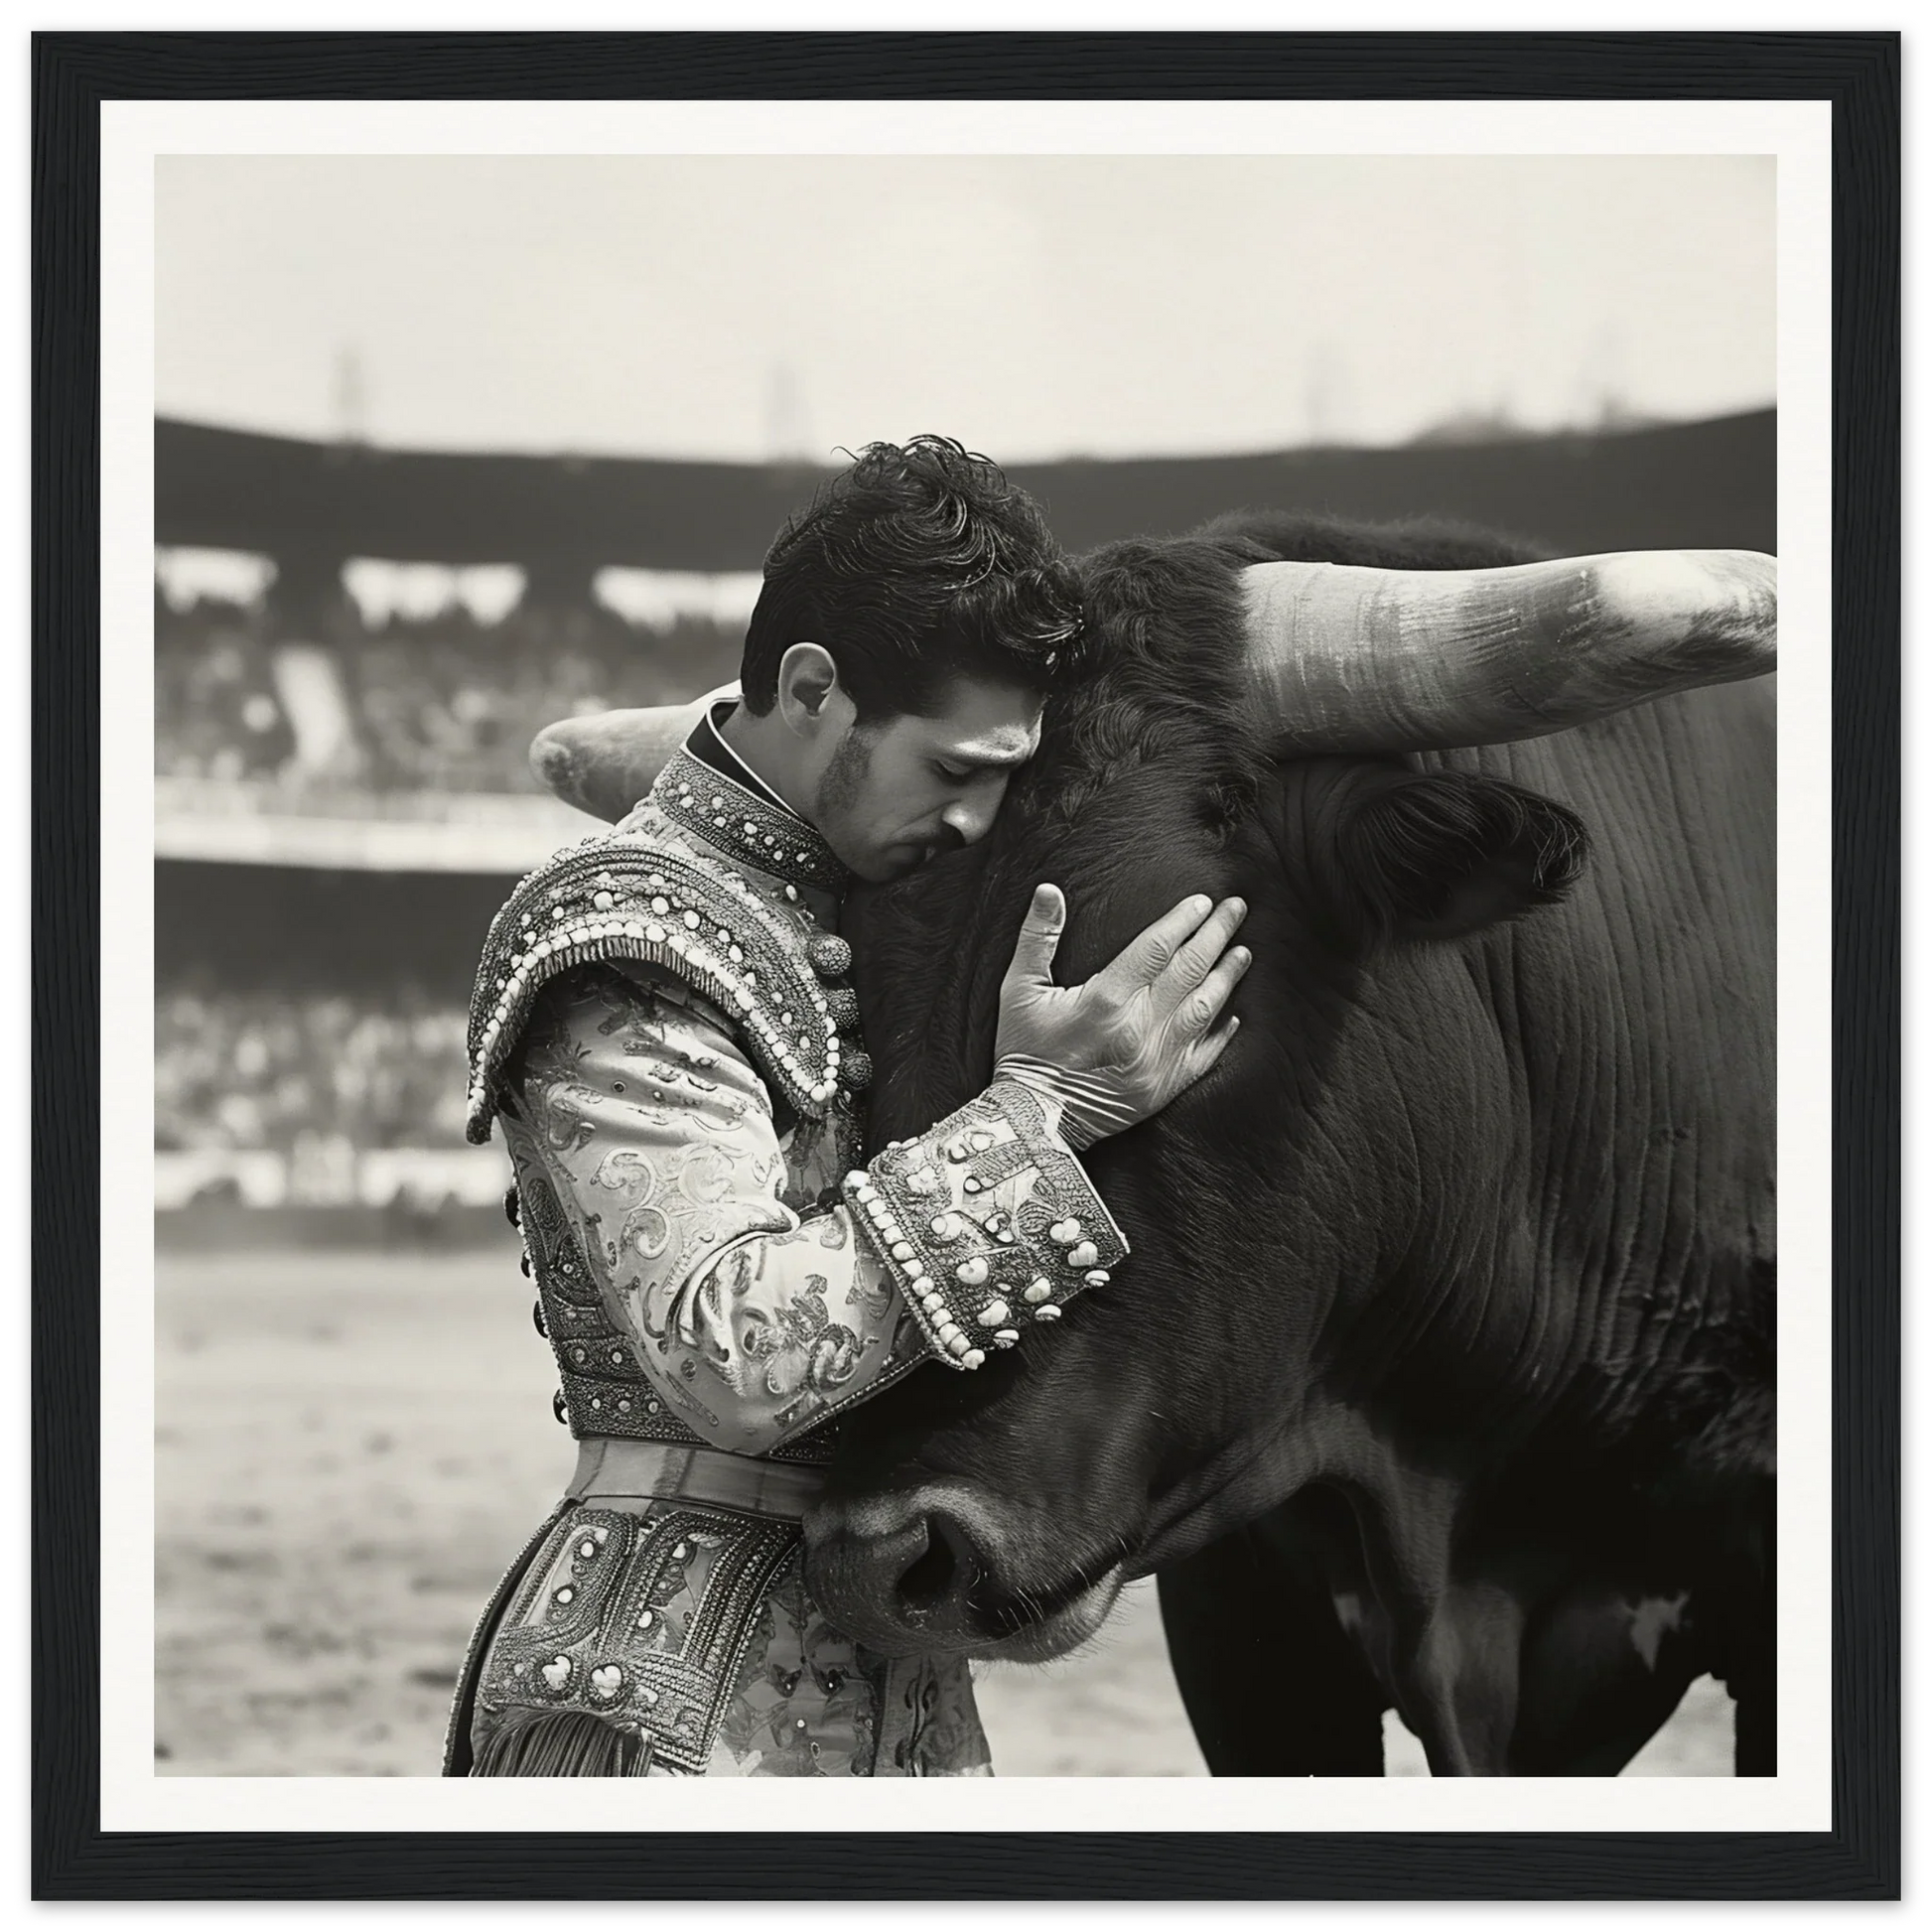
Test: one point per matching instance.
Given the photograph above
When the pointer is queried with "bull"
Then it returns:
(1440, 1378)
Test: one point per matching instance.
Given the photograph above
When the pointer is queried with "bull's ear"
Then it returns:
(1436, 857)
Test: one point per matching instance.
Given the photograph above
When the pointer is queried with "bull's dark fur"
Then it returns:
(1450, 1297)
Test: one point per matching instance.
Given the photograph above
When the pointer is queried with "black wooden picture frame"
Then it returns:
(1858, 1858)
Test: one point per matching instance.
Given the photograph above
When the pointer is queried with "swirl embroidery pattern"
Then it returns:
(656, 1138)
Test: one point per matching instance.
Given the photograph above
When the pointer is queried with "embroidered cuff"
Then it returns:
(986, 1222)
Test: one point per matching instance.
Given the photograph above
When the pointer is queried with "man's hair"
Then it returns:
(918, 565)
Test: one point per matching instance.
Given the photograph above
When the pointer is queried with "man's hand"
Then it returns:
(1118, 1048)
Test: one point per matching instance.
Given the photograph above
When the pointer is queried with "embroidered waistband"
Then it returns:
(611, 1469)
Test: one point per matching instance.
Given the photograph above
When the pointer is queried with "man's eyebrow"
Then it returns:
(990, 761)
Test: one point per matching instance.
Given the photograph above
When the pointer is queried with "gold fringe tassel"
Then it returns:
(561, 1745)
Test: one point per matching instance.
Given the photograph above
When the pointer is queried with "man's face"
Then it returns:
(897, 791)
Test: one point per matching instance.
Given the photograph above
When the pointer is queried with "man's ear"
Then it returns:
(807, 679)
(1440, 855)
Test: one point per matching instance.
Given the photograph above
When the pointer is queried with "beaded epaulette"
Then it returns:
(623, 895)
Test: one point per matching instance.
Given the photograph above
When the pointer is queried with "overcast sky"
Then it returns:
(1035, 307)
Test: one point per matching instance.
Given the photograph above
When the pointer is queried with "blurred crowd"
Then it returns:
(241, 1070)
(355, 698)
(442, 704)
(216, 711)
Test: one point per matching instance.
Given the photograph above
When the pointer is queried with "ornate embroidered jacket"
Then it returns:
(663, 1024)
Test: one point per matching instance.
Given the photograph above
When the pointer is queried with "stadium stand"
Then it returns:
(246, 1068)
(438, 703)
(216, 711)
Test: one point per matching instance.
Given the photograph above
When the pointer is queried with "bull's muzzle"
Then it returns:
(932, 1569)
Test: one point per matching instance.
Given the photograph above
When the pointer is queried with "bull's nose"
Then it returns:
(898, 1574)
(940, 1575)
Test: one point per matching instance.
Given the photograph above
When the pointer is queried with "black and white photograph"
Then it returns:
(1382, 666)
(972, 944)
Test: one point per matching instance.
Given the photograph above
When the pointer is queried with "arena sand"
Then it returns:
(350, 1447)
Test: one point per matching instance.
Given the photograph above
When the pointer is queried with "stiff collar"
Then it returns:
(709, 789)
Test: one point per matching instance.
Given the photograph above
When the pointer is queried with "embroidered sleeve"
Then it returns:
(986, 1222)
(755, 1317)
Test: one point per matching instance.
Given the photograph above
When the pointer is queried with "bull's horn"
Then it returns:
(1342, 659)
(605, 763)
